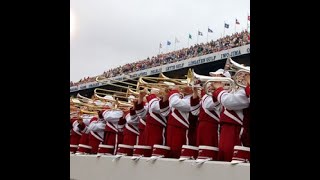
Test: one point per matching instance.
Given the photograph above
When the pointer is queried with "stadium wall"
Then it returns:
(89, 167)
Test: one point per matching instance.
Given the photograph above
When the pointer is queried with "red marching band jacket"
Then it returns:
(131, 131)
(155, 116)
(142, 113)
(77, 131)
(180, 110)
(206, 109)
(234, 106)
(75, 134)
(114, 127)
(84, 146)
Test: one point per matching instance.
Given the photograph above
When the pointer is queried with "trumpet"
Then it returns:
(240, 72)
(230, 82)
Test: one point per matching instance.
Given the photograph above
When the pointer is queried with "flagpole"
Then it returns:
(167, 48)
(207, 33)
(159, 49)
(224, 28)
(188, 40)
(235, 26)
(175, 41)
(197, 36)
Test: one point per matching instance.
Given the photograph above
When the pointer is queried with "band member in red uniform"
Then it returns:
(178, 121)
(114, 127)
(141, 107)
(209, 115)
(231, 118)
(75, 134)
(131, 131)
(96, 128)
(155, 123)
(245, 138)
(84, 146)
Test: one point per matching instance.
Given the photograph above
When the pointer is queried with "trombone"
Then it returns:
(101, 81)
(77, 103)
(165, 84)
(116, 101)
(112, 84)
(105, 92)
(84, 99)
(176, 81)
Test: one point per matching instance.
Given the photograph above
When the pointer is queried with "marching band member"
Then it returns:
(141, 107)
(178, 122)
(131, 131)
(84, 147)
(209, 115)
(114, 127)
(75, 134)
(231, 118)
(96, 129)
(156, 123)
(245, 138)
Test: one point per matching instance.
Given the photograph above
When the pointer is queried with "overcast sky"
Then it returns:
(110, 33)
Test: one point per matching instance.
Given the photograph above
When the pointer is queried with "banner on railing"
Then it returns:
(174, 66)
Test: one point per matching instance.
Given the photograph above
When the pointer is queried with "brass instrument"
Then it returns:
(134, 93)
(143, 84)
(79, 104)
(200, 79)
(133, 79)
(146, 85)
(104, 92)
(88, 112)
(115, 101)
(230, 84)
(84, 99)
(176, 81)
(196, 79)
(240, 72)
(116, 85)
(102, 81)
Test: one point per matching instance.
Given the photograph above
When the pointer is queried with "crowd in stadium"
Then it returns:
(235, 40)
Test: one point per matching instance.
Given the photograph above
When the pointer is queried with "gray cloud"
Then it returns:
(110, 33)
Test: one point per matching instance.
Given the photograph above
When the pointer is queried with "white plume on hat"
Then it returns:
(222, 72)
